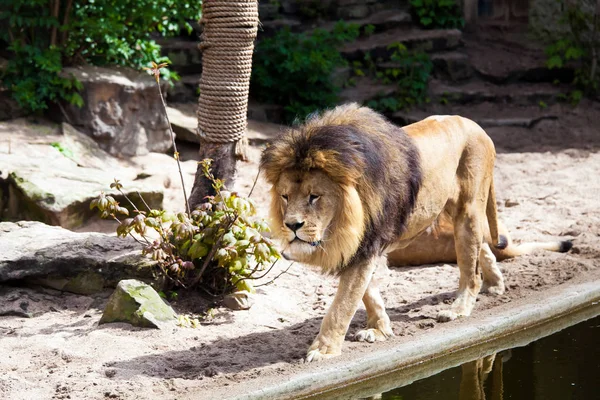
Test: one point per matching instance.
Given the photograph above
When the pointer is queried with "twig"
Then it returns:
(143, 201)
(176, 153)
(273, 280)
(127, 198)
(254, 184)
(131, 234)
(212, 252)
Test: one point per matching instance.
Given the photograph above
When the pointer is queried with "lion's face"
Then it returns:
(307, 204)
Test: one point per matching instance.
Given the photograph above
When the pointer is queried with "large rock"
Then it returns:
(76, 262)
(52, 177)
(122, 110)
(137, 303)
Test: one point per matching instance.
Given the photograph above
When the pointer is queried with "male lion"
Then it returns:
(348, 187)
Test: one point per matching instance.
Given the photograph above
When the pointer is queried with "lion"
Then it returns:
(436, 245)
(349, 188)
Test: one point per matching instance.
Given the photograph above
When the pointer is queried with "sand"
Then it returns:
(548, 188)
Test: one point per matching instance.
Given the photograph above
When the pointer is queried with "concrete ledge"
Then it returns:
(431, 352)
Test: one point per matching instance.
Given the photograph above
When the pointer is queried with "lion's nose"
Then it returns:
(294, 226)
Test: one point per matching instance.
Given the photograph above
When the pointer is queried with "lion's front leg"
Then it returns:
(354, 281)
(379, 327)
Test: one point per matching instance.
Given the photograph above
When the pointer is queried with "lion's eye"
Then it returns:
(285, 197)
(313, 198)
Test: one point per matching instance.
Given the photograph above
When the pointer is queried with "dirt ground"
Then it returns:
(548, 188)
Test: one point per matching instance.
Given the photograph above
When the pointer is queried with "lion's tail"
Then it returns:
(513, 250)
(491, 211)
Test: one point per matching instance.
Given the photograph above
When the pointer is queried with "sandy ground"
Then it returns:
(548, 175)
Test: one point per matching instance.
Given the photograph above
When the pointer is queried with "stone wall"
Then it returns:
(325, 9)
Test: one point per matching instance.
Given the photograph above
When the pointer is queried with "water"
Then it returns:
(562, 366)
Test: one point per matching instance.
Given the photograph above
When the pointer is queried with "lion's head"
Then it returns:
(332, 184)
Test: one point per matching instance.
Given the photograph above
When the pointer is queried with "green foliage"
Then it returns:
(42, 40)
(65, 151)
(294, 70)
(219, 247)
(410, 72)
(437, 14)
(578, 45)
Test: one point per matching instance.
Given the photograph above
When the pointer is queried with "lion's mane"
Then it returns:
(364, 154)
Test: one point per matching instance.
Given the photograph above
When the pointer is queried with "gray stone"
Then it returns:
(61, 195)
(380, 45)
(353, 11)
(452, 66)
(185, 90)
(267, 11)
(241, 300)
(122, 110)
(65, 260)
(138, 304)
(184, 54)
(9, 108)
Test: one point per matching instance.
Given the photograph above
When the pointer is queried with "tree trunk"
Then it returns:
(227, 41)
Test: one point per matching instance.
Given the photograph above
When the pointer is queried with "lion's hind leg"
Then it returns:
(378, 323)
(468, 237)
(493, 281)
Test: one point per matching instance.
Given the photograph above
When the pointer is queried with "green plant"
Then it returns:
(579, 45)
(218, 247)
(410, 73)
(435, 14)
(65, 151)
(294, 70)
(43, 36)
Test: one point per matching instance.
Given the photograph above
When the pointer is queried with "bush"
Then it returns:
(294, 70)
(410, 72)
(579, 45)
(437, 14)
(218, 247)
(44, 36)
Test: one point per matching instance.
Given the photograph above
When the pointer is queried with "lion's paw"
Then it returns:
(316, 355)
(495, 290)
(446, 315)
(371, 335)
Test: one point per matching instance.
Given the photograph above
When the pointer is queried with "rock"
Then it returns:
(241, 300)
(366, 89)
(184, 54)
(61, 195)
(379, 45)
(122, 110)
(267, 11)
(453, 66)
(9, 108)
(185, 90)
(479, 91)
(84, 151)
(79, 262)
(511, 203)
(184, 123)
(353, 11)
(137, 303)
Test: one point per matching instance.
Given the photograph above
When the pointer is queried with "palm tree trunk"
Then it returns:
(227, 42)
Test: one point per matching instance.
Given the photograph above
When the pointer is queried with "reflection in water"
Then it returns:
(475, 373)
(562, 366)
